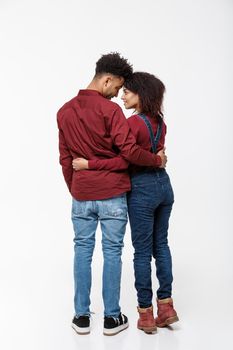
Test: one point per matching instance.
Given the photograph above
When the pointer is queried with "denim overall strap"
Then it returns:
(154, 140)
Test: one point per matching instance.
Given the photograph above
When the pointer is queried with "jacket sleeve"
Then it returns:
(124, 139)
(65, 159)
(112, 164)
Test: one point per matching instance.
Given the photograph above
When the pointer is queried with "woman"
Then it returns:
(149, 202)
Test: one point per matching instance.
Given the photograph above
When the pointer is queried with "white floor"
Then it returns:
(36, 307)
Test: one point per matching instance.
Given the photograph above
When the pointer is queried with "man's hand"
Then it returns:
(80, 164)
(163, 157)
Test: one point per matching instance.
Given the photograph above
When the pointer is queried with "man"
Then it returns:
(91, 126)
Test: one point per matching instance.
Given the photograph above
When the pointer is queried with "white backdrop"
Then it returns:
(48, 52)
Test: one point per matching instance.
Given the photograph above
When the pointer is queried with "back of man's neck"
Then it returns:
(93, 86)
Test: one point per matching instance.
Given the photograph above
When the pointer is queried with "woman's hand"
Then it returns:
(80, 164)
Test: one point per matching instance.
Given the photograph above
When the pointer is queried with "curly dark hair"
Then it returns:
(114, 64)
(150, 91)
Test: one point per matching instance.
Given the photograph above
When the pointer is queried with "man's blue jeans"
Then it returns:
(112, 214)
(149, 206)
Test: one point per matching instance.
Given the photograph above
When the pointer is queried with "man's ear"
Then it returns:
(108, 79)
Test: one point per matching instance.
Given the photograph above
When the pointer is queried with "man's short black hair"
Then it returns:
(114, 64)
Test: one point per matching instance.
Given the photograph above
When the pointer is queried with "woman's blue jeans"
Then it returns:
(112, 215)
(149, 206)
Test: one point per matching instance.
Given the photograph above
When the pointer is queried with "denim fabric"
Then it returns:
(149, 207)
(112, 214)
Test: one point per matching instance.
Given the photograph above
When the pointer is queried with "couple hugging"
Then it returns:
(114, 168)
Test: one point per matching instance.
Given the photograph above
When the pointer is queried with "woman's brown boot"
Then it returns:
(146, 320)
(166, 313)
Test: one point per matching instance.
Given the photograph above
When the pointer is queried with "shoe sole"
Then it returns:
(81, 331)
(168, 321)
(115, 330)
(148, 330)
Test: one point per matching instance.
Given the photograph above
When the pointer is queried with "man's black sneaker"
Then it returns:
(81, 324)
(114, 325)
